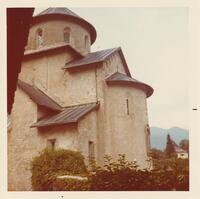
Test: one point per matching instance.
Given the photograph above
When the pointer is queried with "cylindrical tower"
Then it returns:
(54, 26)
(128, 129)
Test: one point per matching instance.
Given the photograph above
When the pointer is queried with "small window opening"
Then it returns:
(147, 131)
(51, 144)
(39, 38)
(127, 106)
(67, 35)
(91, 150)
(87, 42)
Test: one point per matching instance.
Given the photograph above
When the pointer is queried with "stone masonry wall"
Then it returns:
(53, 33)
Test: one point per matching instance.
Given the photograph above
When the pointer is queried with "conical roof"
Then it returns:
(64, 11)
(70, 16)
(124, 79)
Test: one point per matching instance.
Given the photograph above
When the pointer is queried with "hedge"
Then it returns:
(71, 185)
(120, 175)
(52, 163)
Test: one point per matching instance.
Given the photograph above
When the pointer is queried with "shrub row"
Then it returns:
(50, 164)
(71, 185)
(120, 175)
(125, 176)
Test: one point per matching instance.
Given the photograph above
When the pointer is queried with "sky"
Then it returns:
(154, 41)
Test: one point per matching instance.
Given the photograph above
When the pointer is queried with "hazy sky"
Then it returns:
(155, 44)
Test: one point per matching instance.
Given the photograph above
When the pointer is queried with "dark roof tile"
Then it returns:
(49, 48)
(122, 78)
(70, 114)
(70, 15)
(38, 96)
(91, 58)
(97, 57)
(64, 11)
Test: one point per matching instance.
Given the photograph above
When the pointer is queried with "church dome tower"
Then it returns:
(55, 26)
(70, 98)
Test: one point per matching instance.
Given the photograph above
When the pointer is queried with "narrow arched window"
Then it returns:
(91, 150)
(51, 143)
(67, 34)
(86, 42)
(39, 37)
(127, 106)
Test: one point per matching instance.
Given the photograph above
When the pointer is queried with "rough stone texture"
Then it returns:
(75, 87)
(87, 131)
(110, 128)
(126, 131)
(112, 65)
(23, 142)
(53, 32)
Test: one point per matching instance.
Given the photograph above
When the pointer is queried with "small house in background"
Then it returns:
(181, 153)
(69, 97)
(173, 149)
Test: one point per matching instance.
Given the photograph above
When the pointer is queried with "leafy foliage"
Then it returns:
(71, 185)
(52, 163)
(126, 176)
(176, 170)
(156, 153)
(184, 144)
(169, 147)
(167, 174)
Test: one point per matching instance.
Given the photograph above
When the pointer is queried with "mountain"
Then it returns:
(159, 136)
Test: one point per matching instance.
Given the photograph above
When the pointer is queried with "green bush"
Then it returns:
(50, 164)
(121, 175)
(126, 176)
(71, 185)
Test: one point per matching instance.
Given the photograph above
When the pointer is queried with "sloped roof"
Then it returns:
(38, 96)
(69, 15)
(52, 47)
(177, 149)
(64, 11)
(70, 114)
(124, 79)
(97, 57)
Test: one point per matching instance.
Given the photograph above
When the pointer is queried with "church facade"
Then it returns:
(69, 97)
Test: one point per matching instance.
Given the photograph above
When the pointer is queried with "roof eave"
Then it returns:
(70, 121)
(22, 85)
(35, 125)
(146, 88)
(124, 61)
(95, 64)
(51, 48)
(117, 49)
(92, 109)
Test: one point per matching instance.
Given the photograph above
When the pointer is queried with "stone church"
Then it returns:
(69, 97)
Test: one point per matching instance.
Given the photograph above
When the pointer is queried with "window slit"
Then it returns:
(51, 144)
(127, 106)
(91, 150)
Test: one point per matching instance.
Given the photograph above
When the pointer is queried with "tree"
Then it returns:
(122, 175)
(169, 146)
(184, 144)
(156, 154)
